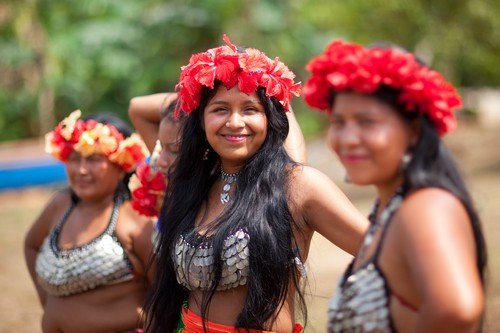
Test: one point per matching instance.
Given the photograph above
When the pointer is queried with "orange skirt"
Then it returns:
(193, 324)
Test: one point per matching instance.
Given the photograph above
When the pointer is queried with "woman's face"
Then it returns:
(168, 134)
(93, 177)
(235, 125)
(370, 138)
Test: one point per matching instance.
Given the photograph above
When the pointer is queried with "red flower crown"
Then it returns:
(248, 70)
(91, 137)
(350, 67)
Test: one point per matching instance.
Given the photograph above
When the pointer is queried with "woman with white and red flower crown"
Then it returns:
(88, 252)
(239, 213)
(421, 265)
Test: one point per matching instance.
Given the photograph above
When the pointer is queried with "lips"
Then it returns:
(353, 158)
(82, 182)
(235, 138)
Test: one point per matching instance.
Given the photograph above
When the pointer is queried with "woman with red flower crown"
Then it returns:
(152, 116)
(88, 252)
(421, 265)
(239, 213)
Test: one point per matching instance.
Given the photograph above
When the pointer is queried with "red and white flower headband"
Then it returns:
(350, 67)
(249, 70)
(147, 186)
(91, 137)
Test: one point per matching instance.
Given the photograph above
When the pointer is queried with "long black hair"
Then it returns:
(122, 191)
(258, 205)
(433, 165)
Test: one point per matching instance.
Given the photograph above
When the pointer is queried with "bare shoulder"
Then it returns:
(308, 183)
(433, 212)
(304, 177)
(134, 222)
(433, 204)
(51, 214)
(57, 206)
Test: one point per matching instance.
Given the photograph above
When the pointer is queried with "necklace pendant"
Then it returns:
(228, 178)
(224, 198)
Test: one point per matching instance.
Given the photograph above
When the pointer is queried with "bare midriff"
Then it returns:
(226, 306)
(113, 308)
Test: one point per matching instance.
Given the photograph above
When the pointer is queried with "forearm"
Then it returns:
(295, 143)
(144, 112)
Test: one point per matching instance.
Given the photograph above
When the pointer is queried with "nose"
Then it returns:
(345, 136)
(349, 135)
(165, 161)
(83, 166)
(235, 121)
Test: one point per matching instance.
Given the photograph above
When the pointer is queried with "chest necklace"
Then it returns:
(228, 179)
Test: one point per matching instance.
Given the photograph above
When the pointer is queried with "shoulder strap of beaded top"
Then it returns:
(386, 217)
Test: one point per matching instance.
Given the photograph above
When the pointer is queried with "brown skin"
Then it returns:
(144, 112)
(315, 202)
(111, 308)
(428, 254)
(314, 199)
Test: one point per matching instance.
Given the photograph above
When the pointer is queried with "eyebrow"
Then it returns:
(223, 102)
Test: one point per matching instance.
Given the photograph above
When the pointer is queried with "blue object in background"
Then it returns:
(26, 173)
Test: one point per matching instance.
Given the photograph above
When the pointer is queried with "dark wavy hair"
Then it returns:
(258, 204)
(122, 190)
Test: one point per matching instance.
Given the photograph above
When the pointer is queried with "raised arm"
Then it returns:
(295, 144)
(144, 112)
(37, 233)
(326, 209)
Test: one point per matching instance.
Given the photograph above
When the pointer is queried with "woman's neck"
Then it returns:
(231, 167)
(386, 192)
(97, 204)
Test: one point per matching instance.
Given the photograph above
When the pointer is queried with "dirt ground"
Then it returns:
(477, 153)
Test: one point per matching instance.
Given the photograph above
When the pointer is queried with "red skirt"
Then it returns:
(193, 324)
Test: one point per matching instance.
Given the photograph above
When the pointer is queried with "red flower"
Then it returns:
(147, 187)
(249, 70)
(144, 202)
(348, 66)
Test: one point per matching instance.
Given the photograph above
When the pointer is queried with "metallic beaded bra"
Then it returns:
(102, 261)
(194, 261)
(361, 301)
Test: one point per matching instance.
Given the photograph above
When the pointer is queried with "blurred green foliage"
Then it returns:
(57, 56)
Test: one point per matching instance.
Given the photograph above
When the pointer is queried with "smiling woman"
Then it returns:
(239, 214)
(235, 125)
(88, 252)
(422, 262)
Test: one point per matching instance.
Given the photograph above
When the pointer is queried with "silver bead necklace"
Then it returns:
(375, 224)
(228, 178)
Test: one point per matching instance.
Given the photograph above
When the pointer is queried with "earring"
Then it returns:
(405, 161)
(347, 179)
(205, 154)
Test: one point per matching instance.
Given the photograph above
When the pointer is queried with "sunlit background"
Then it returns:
(95, 55)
